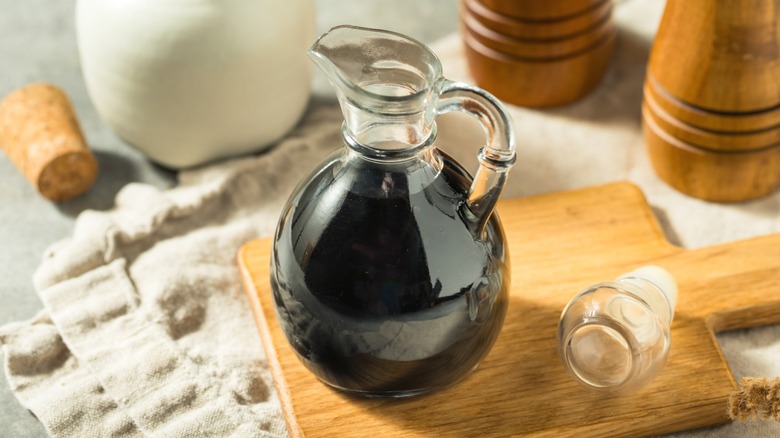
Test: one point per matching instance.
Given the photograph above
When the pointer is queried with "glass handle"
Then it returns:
(498, 154)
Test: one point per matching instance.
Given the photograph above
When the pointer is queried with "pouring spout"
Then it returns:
(386, 84)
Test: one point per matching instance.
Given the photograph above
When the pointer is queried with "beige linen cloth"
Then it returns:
(146, 329)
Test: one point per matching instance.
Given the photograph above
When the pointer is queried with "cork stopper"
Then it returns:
(41, 136)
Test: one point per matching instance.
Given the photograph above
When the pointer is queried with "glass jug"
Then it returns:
(389, 268)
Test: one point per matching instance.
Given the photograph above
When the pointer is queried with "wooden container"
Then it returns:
(716, 140)
(535, 49)
(712, 98)
(535, 83)
(541, 62)
(538, 30)
(541, 10)
(720, 55)
(708, 174)
(714, 121)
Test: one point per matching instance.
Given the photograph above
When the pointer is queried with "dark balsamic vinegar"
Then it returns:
(380, 286)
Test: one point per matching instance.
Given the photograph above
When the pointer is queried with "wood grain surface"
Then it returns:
(543, 10)
(714, 175)
(535, 49)
(733, 123)
(720, 55)
(559, 244)
(533, 83)
(744, 141)
(545, 30)
(537, 63)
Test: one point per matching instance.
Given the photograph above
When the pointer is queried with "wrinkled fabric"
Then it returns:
(146, 329)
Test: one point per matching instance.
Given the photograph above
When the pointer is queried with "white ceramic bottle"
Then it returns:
(190, 81)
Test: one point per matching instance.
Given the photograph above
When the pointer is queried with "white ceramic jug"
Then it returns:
(190, 81)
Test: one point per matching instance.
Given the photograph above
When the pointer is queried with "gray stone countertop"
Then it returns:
(38, 43)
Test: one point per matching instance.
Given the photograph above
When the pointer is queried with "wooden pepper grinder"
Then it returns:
(537, 53)
(711, 108)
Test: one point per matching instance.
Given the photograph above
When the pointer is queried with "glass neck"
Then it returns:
(652, 294)
(391, 142)
(389, 126)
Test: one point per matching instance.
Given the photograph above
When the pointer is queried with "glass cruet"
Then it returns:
(389, 268)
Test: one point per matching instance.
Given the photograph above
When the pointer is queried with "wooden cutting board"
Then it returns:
(559, 244)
